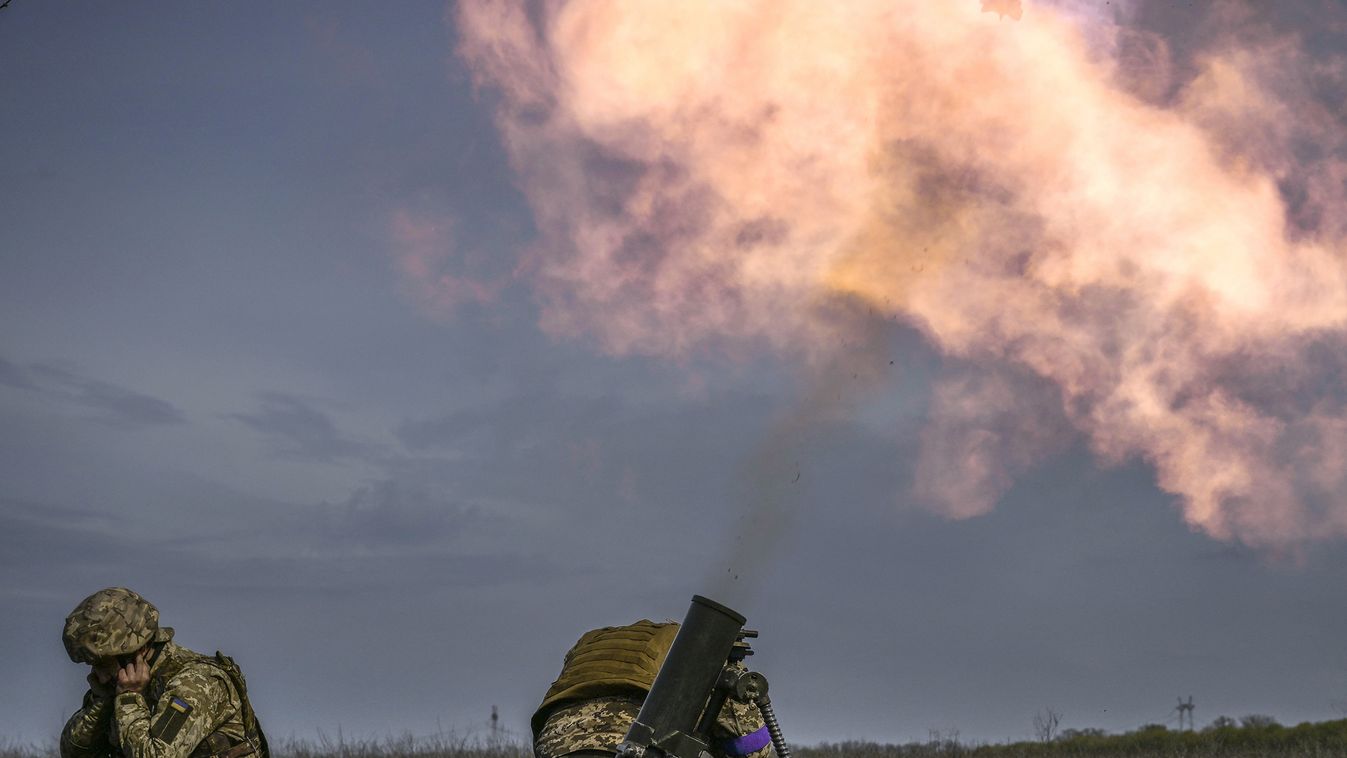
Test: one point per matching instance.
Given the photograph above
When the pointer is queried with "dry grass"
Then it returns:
(1323, 740)
(437, 746)
(446, 745)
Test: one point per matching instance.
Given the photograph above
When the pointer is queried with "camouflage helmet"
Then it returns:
(112, 621)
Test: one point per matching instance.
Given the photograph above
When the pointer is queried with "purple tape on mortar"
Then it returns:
(749, 743)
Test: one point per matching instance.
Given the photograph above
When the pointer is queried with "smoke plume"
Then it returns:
(1158, 241)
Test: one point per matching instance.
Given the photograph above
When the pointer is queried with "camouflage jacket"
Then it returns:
(194, 705)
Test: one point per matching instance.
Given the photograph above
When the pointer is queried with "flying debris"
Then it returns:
(1003, 8)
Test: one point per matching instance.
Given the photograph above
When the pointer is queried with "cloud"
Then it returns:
(426, 256)
(1004, 8)
(1055, 196)
(403, 529)
(392, 514)
(300, 431)
(116, 406)
(33, 533)
(398, 530)
(985, 430)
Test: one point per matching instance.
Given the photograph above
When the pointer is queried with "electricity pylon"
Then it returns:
(1188, 708)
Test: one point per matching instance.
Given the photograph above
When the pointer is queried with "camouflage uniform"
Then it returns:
(575, 718)
(193, 705)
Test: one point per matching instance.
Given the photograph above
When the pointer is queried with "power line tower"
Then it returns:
(1186, 708)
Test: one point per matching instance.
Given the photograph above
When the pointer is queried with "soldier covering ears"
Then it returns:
(149, 697)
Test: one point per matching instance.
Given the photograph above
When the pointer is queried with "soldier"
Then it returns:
(149, 697)
(603, 682)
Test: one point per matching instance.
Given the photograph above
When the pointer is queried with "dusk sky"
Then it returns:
(986, 364)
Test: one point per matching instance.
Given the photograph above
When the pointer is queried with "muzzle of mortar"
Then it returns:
(693, 684)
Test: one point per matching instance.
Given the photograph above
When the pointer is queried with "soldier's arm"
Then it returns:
(740, 732)
(194, 704)
(86, 733)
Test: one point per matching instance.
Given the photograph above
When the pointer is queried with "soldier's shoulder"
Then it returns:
(197, 672)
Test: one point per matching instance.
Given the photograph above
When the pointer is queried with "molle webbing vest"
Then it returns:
(255, 742)
(612, 661)
(218, 744)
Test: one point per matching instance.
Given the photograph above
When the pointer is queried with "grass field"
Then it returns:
(1318, 740)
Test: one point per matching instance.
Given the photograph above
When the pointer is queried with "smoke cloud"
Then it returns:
(1159, 245)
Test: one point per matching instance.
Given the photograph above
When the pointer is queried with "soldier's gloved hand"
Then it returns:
(102, 686)
(135, 675)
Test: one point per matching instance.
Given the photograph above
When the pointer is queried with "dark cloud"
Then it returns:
(115, 405)
(300, 431)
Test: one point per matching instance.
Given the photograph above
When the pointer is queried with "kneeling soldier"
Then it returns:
(603, 682)
(149, 697)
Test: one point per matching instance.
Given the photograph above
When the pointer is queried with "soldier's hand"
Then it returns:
(101, 683)
(135, 675)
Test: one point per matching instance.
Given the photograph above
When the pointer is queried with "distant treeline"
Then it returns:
(1259, 738)
(1255, 738)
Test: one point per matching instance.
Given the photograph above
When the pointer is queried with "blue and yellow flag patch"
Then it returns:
(170, 722)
